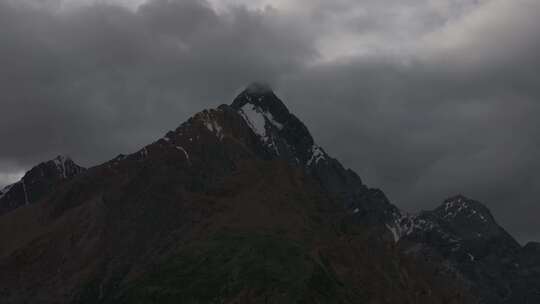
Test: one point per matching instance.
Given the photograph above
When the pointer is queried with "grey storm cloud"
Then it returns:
(424, 99)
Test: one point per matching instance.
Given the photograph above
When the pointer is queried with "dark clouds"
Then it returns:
(101, 80)
(424, 99)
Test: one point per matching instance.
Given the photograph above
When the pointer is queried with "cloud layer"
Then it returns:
(424, 99)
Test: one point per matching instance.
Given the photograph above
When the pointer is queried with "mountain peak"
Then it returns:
(279, 130)
(62, 158)
(458, 216)
(261, 96)
(286, 137)
(37, 182)
(65, 166)
(460, 205)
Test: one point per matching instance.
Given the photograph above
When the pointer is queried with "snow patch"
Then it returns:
(60, 163)
(255, 119)
(317, 154)
(459, 206)
(25, 193)
(212, 125)
(259, 121)
(185, 152)
(482, 218)
(406, 224)
(394, 232)
(143, 152)
(271, 119)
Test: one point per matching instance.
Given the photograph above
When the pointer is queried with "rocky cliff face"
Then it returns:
(38, 182)
(240, 205)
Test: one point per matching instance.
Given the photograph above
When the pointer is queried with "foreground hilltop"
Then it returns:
(240, 205)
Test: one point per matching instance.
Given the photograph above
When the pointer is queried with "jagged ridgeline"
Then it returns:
(240, 205)
(37, 183)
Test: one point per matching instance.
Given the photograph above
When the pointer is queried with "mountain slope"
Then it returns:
(237, 205)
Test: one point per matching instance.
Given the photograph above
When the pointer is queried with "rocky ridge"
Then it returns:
(37, 182)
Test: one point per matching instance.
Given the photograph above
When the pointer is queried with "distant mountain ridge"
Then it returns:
(37, 182)
(464, 233)
(212, 182)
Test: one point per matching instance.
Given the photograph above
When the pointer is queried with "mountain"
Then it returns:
(462, 229)
(464, 233)
(285, 137)
(240, 205)
(37, 183)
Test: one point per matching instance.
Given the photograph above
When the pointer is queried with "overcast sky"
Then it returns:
(423, 98)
